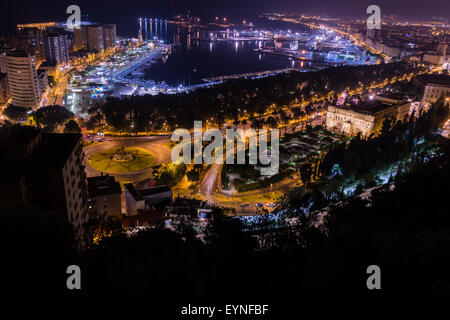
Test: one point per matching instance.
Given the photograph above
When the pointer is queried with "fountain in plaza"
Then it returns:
(123, 156)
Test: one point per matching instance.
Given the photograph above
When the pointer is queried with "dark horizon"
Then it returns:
(116, 12)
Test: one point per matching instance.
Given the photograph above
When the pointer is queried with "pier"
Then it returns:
(136, 64)
(249, 75)
(296, 57)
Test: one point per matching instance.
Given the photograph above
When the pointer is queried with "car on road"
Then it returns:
(271, 204)
(245, 205)
(259, 205)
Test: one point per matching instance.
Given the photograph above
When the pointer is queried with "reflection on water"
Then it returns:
(192, 60)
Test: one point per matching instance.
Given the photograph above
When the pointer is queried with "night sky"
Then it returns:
(125, 12)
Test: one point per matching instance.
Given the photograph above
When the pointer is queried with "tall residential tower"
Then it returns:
(23, 80)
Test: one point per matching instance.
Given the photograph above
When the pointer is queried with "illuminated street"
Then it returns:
(225, 159)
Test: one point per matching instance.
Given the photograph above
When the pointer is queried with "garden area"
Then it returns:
(296, 149)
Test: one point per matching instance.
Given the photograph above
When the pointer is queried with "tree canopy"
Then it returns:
(72, 127)
(234, 98)
(52, 116)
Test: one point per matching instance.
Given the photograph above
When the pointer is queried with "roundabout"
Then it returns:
(145, 151)
(122, 160)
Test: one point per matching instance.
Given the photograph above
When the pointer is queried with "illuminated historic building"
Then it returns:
(366, 118)
(433, 86)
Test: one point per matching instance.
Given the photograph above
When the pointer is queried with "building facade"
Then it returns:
(36, 39)
(403, 106)
(3, 62)
(105, 196)
(95, 38)
(43, 80)
(433, 87)
(109, 36)
(46, 170)
(80, 38)
(23, 80)
(140, 200)
(75, 183)
(365, 119)
(56, 49)
(4, 89)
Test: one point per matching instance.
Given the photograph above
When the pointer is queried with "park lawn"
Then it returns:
(102, 161)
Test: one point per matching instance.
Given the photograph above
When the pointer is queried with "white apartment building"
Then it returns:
(23, 80)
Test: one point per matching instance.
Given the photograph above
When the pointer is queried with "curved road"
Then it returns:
(212, 182)
(209, 183)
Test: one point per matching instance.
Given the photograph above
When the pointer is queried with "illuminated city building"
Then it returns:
(42, 80)
(403, 106)
(4, 89)
(56, 49)
(40, 25)
(140, 200)
(109, 36)
(35, 37)
(3, 62)
(366, 118)
(440, 57)
(23, 80)
(80, 38)
(95, 38)
(433, 86)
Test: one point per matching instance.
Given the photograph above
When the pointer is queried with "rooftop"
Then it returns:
(400, 97)
(188, 203)
(103, 185)
(52, 151)
(140, 194)
(154, 190)
(435, 79)
(367, 107)
(56, 148)
(19, 54)
(21, 135)
(47, 64)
